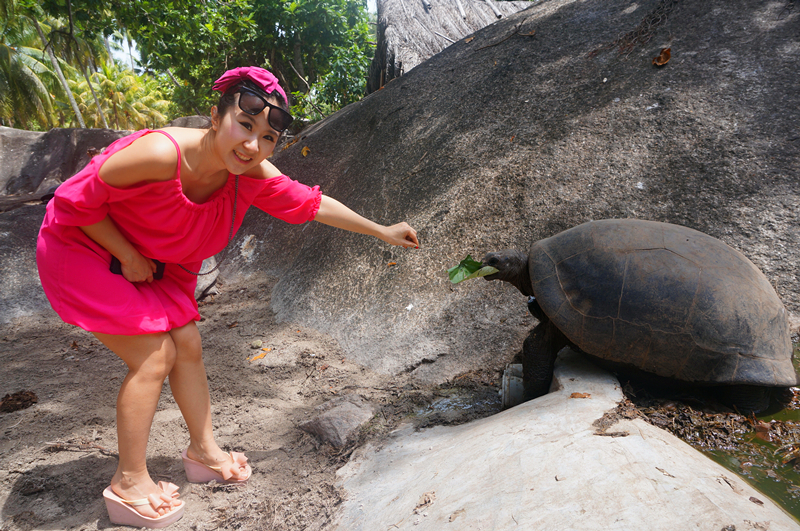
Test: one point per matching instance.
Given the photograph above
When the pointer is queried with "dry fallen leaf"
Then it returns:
(258, 357)
(580, 395)
(458, 513)
(791, 455)
(763, 426)
(762, 430)
(468, 39)
(233, 324)
(17, 401)
(425, 501)
(306, 150)
(756, 500)
(662, 59)
(296, 140)
(734, 487)
(665, 472)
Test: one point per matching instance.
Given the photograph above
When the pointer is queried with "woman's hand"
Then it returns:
(400, 234)
(138, 268)
(135, 267)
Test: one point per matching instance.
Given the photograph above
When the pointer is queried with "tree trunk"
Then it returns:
(116, 118)
(298, 60)
(130, 50)
(94, 95)
(59, 72)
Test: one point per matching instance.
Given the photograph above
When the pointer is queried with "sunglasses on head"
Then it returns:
(254, 104)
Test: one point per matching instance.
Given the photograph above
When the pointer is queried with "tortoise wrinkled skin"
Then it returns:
(665, 299)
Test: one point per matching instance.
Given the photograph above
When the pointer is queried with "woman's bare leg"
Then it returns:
(189, 386)
(149, 358)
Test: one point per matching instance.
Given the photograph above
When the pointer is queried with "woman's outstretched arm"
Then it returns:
(332, 212)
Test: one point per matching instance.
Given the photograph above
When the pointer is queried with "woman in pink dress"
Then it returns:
(118, 254)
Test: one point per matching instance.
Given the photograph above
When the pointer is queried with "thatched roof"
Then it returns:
(411, 31)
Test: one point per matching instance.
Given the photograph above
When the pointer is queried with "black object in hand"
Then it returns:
(116, 268)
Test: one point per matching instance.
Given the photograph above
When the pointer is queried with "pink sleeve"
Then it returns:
(82, 199)
(289, 200)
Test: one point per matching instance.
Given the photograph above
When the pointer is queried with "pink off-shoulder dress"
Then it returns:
(162, 223)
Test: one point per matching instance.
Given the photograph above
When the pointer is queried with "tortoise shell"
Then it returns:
(666, 299)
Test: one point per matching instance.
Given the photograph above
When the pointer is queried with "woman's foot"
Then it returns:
(132, 488)
(231, 467)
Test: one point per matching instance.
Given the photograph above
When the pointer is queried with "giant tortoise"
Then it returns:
(659, 298)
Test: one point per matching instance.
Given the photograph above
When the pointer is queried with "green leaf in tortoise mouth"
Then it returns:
(469, 268)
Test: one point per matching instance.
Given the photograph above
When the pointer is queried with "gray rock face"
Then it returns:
(21, 294)
(339, 420)
(32, 163)
(194, 122)
(542, 121)
(546, 119)
(207, 280)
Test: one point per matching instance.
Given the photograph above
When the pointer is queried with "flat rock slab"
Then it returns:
(338, 420)
(541, 465)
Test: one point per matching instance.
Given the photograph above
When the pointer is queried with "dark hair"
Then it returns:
(227, 100)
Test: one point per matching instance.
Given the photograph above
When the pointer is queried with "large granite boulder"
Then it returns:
(33, 163)
(548, 118)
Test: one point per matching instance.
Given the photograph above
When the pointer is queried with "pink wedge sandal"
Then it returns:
(197, 472)
(122, 512)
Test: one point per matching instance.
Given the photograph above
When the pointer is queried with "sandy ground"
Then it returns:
(58, 455)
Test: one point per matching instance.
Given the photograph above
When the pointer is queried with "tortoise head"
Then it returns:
(513, 268)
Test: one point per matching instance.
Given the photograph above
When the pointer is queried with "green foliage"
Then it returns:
(194, 41)
(345, 83)
(128, 101)
(319, 49)
(27, 82)
(346, 80)
(32, 97)
(467, 269)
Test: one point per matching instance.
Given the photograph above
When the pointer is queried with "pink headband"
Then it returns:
(259, 76)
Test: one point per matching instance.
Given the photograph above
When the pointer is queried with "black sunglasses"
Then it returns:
(254, 104)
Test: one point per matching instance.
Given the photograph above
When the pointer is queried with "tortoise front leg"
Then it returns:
(538, 358)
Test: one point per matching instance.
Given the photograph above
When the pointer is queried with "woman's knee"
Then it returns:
(151, 355)
(160, 362)
(188, 344)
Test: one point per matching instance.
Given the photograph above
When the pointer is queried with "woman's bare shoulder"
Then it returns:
(149, 158)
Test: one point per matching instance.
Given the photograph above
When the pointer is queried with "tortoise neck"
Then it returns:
(522, 279)
(525, 285)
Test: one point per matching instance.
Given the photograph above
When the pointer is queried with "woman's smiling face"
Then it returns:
(243, 140)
